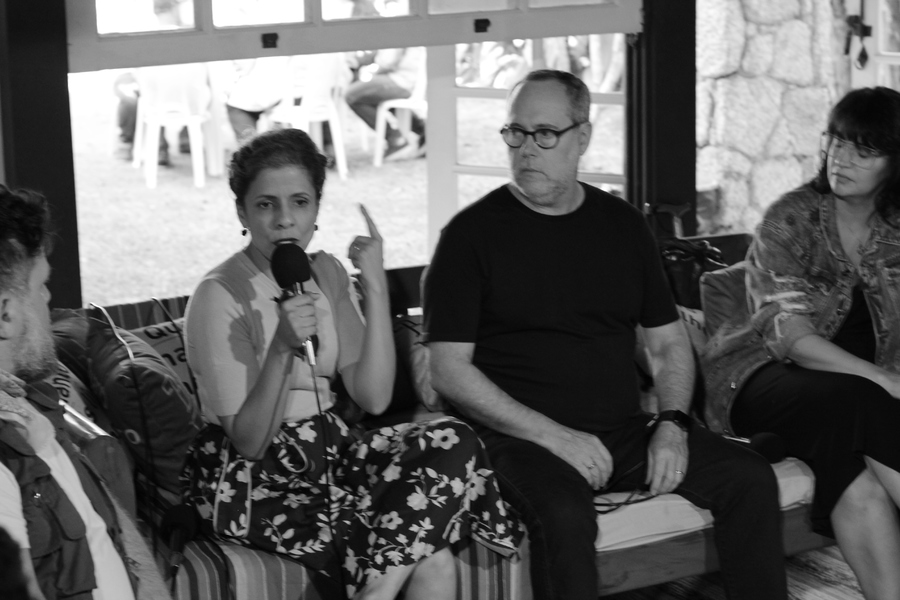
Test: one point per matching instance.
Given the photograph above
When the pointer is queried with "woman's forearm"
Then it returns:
(260, 416)
(815, 352)
(371, 380)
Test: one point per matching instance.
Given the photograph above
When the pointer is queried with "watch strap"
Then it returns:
(676, 416)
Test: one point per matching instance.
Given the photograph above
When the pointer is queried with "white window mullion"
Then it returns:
(312, 10)
(868, 76)
(442, 179)
(203, 16)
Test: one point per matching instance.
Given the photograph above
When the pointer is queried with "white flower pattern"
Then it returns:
(396, 496)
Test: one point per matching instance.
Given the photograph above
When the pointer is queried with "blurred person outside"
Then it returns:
(157, 15)
(391, 75)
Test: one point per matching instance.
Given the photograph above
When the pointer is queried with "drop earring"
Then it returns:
(244, 231)
(316, 227)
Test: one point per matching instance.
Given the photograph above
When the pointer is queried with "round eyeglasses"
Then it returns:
(844, 150)
(515, 136)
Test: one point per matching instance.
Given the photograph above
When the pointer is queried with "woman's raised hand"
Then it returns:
(366, 255)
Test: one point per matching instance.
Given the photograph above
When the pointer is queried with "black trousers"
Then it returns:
(737, 485)
(830, 421)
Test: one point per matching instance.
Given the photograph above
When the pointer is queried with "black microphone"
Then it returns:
(769, 445)
(290, 266)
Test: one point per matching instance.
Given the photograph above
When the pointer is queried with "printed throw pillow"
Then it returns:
(71, 390)
(148, 408)
(723, 294)
(693, 321)
(168, 340)
(70, 329)
(414, 356)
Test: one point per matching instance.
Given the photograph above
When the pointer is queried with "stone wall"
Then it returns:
(768, 71)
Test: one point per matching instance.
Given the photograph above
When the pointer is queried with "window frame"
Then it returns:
(89, 51)
(870, 75)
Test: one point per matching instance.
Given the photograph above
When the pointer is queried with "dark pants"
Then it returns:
(737, 485)
(830, 421)
(126, 116)
(363, 97)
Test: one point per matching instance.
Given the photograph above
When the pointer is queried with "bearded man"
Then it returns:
(74, 539)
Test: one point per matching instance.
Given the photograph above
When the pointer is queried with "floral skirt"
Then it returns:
(390, 499)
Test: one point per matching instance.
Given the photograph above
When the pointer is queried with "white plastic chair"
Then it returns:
(404, 109)
(323, 79)
(177, 96)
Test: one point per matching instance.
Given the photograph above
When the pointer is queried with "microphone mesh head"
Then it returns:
(290, 265)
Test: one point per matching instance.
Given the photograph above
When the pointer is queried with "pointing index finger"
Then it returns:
(373, 231)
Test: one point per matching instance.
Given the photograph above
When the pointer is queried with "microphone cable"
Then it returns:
(329, 481)
(149, 455)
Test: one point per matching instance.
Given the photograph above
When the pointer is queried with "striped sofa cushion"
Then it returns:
(220, 570)
(148, 312)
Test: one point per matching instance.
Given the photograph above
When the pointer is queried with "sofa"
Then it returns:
(643, 544)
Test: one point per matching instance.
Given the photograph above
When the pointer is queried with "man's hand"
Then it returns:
(585, 452)
(667, 458)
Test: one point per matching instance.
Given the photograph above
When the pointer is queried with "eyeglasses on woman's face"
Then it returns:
(545, 138)
(842, 150)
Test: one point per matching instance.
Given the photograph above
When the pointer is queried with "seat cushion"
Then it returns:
(671, 515)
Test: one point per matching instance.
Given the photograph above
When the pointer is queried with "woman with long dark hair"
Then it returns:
(816, 359)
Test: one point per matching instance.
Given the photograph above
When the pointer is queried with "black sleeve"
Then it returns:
(658, 306)
(452, 291)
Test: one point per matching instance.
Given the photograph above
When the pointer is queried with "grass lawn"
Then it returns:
(136, 243)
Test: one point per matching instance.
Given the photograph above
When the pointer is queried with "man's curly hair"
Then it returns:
(25, 234)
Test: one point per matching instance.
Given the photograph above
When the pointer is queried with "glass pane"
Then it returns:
(478, 124)
(132, 16)
(598, 59)
(363, 9)
(235, 13)
(473, 187)
(613, 188)
(543, 3)
(606, 154)
(192, 229)
(889, 76)
(890, 25)
(444, 7)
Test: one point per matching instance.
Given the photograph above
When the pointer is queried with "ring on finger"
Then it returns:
(677, 472)
(592, 466)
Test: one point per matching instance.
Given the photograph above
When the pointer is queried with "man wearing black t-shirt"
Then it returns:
(532, 302)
